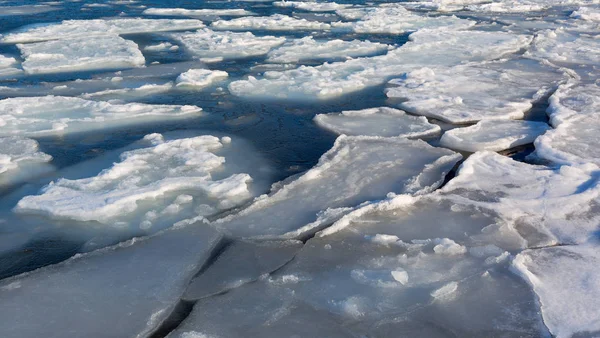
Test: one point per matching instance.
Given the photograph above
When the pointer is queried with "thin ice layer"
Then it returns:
(311, 6)
(49, 115)
(493, 135)
(197, 12)
(96, 27)
(355, 170)
(206, 43)
(566, 281)
(382, 121)
(165, 180)
(395, 19)
(200, 77)
(275, 22)
(310, 49)
(80, 54)
(426, 48)
(16, 151)
(563, 47)
(127, 290)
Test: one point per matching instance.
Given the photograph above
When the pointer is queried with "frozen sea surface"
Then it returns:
(296, 168)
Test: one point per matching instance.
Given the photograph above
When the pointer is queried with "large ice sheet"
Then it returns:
(80, 54)
(96, 27)
(206, 43)
(563, 47)
(426, 48)
(17, 151)
(493, 135)
(48, 115)
(170, 179)
(395, 19)
(311, 6)
(26, 10)
(127, 290)
(200, 78)
(310, 49)
(355, 170)
(475, 92)
(275, 22)
(382, 121)
(566, 281)
(197, 12)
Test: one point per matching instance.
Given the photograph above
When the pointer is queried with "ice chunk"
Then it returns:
(96, 27)
(78, 54)
(169, 179)
(587, 14)
(311, 6)
(127, 92)
(442, 5)
(355, 170)
(206, 43)
(163, 46)
(275, 22)
(310, 49)
(382, 121)
(573, 100)
(563, 47)
(474, 92)
(26, 10)
(16, 152)
(493, 135)
(241, 262)
(200, 77)
(7, 66)
(197, 12)
(127, 290)
(510, 6)
(395, 19)
(566, 281)
(57, 114)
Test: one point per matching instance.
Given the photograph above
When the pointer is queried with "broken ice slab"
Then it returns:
(563, 47)
(197, 12)
(565, 280)
(206, 43)
(572, 100)
(356, 170)
(80, 54)
(241, 262)
(8, 66)
(26, 10)
(50, 115)
(96, 27)
(474, 92)
(275, 22)
(382, 121)
(127, 290)
(20, 158)
(311, 6)
(200, 78)
(493, 135)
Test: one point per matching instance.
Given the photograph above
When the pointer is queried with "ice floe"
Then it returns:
(311, 6)
(275, 22)
(310, 49)
(474, 92)
(493, 135)
(26, 10)
(16, 152)
(80, 54)
(355, 170)
(206, 43)
(572, 100)
(200, 77)
(8, 66)
(163, 46)
(96, 27)
(197, 12)
(382, 121)
(566, 281)
(169, 179)
(59, 115)
(127, 290)
(563, 47)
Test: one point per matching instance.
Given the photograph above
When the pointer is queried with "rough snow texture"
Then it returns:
(206, 43)
(80, 54)
(573, 100)
(493, 135)
(355, 170)
(127, 290)
(200, 77)
(382, 121)
(562, 47)
(97, 27)
(311, 6)
(475, 92)
(566, 280)
(310, 49)
(196, 12)
(276, 22)
(15, 151)
(146, 184)
(59, 115)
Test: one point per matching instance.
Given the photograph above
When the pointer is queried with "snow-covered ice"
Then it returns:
(80, 54)
(206, 43)
(382, 121)
(493, 135)
(8, 66)
(17, 151)
(356, 170)
(311, 6)
(275, 22)
(59, 115)
(200, 77)
(197, 12)
(563, 47)
(572, 100)
(163, 46)
(310, 49)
